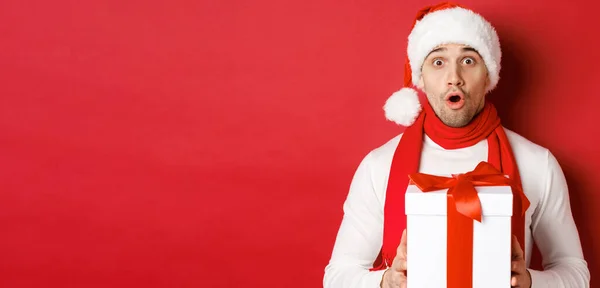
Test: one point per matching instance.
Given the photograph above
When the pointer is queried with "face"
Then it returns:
(455, 79)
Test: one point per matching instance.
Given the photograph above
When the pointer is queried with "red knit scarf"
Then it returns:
(486, 125)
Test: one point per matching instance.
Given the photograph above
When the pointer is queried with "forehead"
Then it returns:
(452, 49)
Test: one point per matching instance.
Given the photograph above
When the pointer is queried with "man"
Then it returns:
(454, 59)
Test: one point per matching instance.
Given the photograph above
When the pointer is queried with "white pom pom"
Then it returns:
(403, 107)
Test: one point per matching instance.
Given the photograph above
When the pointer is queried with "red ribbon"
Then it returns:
(463, 207)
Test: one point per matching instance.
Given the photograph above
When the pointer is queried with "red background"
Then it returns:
(211, 143)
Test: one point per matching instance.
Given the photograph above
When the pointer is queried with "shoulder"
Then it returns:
(526, 152)
(538, 168)
(522, 145)
(380, 157)
(387, 149)
(533, 156)
(377, 164)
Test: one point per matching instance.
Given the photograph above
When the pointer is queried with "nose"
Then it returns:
(455, 77)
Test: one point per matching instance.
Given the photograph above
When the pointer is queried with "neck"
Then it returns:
(480, 127)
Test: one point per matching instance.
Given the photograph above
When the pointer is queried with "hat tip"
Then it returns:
(403, 107)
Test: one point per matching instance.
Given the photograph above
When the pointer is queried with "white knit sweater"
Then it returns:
(549, 217)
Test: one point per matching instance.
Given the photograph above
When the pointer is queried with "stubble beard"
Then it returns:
(455, 118)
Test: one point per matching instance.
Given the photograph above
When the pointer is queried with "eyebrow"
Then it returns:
(464, 49)
(437, 50)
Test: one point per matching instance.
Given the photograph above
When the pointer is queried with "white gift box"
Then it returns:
(426, 238)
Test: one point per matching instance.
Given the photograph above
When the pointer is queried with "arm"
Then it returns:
(359, 238)
(557, 237)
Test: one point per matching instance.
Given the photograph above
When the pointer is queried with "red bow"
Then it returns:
(462, 187)
(463, 206)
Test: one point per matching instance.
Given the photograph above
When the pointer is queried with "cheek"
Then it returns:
(478, 79)
(433, 83)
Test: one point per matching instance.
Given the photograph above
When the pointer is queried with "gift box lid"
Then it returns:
(495, 201)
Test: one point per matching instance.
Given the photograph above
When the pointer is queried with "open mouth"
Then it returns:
(455, 100)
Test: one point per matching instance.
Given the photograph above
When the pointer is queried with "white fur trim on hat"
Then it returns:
(403, 107)
(457, 26)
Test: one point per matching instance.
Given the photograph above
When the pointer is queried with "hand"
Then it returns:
(520, 275)
(395, 276)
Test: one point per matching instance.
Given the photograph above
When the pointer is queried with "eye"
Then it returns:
(438, 62)
(469, 61)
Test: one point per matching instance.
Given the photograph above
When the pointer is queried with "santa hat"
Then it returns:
(443, 23)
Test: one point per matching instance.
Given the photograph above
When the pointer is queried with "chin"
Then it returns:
(456, 119)
(453, 118)
(456, 124)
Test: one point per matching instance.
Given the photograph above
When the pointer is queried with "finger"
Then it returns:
(517, 253)
(517, 266)
(401, 251)
(513, 281)
(402, 282)
(399, 265)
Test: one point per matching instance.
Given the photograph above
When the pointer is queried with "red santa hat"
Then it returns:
(443, 23)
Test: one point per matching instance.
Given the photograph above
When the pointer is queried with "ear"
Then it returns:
(421, 83)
